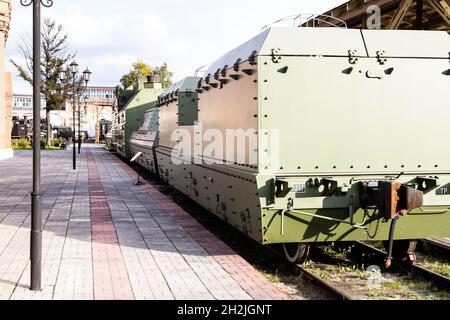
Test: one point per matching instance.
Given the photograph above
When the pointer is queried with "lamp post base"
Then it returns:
(36, 242)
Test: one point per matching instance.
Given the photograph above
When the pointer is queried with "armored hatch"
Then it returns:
(178, 108)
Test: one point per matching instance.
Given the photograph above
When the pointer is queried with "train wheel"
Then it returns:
(403, 250)
(296, 252)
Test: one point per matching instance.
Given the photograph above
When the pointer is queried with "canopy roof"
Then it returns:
(395, 14)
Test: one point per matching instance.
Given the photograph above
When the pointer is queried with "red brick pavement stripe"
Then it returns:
(111, 280)
(252, 281)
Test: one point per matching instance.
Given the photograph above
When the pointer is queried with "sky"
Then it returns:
(109, 35)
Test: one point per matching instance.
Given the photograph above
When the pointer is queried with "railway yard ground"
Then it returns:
(337, 271)
(105, 238)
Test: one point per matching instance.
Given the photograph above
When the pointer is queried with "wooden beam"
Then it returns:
(410, 22)
(400, 14)
(357, 13)
(433, 22)
(442, 8)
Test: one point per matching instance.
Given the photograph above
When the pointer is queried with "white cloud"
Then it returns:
(113, 31)
(109, 36)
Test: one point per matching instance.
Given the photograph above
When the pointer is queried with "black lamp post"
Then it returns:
(62, 77)
(79, 126)
(74, 69)
(36, 195)
(86, 78)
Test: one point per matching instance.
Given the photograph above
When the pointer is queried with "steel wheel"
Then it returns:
(296, 252)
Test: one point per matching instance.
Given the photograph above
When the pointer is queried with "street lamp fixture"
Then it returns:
(74, 67)
(76, 94)
(62, 75)
(87, 75)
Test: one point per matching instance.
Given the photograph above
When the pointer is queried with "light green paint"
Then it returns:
(135, 111)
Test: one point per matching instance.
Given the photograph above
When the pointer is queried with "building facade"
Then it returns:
(5, 84)
(23, 106)
(99, 94)
(95, 105)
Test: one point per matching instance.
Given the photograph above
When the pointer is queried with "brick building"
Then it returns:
(5, 84)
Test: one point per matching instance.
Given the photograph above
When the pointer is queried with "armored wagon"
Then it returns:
(130, 116)
(350, 129)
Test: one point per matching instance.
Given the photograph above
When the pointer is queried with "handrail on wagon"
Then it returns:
(202, 69)
(310, 20)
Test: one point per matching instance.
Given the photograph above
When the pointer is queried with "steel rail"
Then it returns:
(437, 279)
(437, 244)
(316, 280)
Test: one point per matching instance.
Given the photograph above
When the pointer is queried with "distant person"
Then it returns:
(63, 145)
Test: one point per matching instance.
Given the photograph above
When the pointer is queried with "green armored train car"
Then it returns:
(345, 137)
(133, 104)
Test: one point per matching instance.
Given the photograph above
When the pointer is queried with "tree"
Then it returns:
(142, 69)
(54, 56)
(165, 76)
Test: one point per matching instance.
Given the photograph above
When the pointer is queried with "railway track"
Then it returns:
(441, 244)
(376, 256)
(331, 289)
(437, 279)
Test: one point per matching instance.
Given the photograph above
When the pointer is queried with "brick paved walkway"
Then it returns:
(105, 238)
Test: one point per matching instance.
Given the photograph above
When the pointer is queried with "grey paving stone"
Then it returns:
(162, 260)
